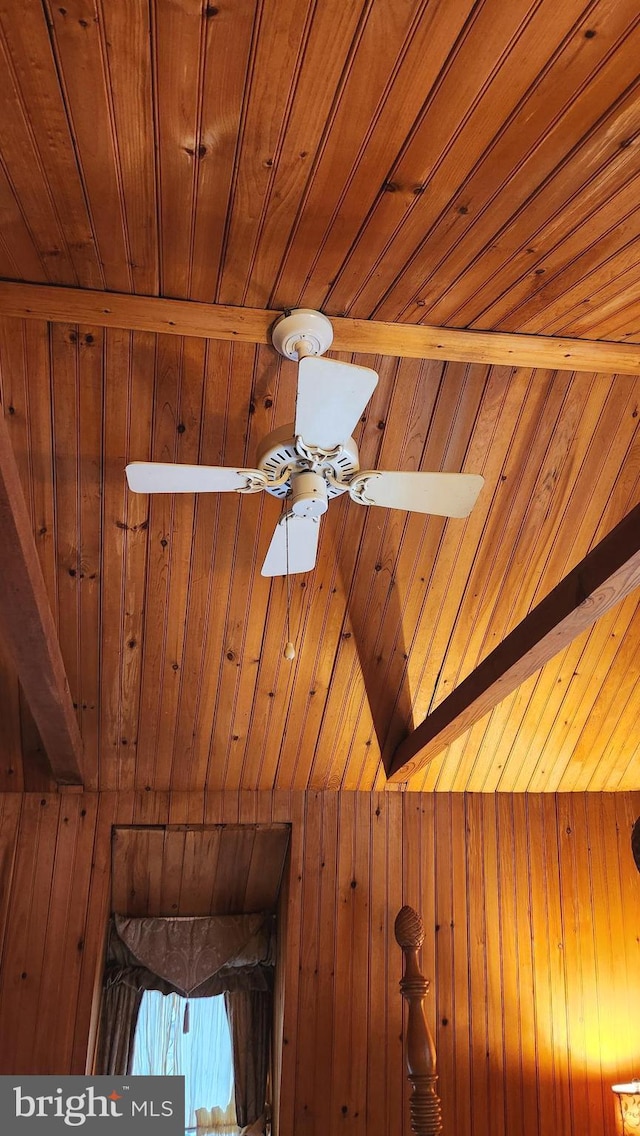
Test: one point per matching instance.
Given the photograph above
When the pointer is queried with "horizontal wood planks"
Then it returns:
(525, 899)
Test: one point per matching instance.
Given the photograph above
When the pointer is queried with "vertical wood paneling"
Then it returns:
(38, 150)
(443, 995)
(288, 806)
(378, 1007)
(78, 43)
(477, 962)
(268, 99)
(64, 944)
(166, 516)
(177, 36)
(534, 964)
(65, 351)
(461, 162)
(172, 640)
(542, 126)
(26, 927)
(380, 103)
(310, 964)
(189, 870)
(230, 42)
(608, 908)
(11, 763)
(471, 162)
(461, 1117)
(126, 37)
(9, 821)
(515, 952)
(90, 402)
(110, 807)
(627, 808)
(495, 932)
(391, 808)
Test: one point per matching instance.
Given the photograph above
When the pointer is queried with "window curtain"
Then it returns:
(232, 955)
(203, 1055)
(120, 1007)
(119, 1014)
(250, 1016)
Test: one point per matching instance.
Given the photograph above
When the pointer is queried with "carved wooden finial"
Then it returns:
(421, 1054)
(409, 929)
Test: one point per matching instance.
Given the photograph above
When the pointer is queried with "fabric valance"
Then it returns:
(187, 952)
(241, 958)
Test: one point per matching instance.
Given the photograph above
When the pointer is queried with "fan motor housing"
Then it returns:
(277, 452)
(308, 494)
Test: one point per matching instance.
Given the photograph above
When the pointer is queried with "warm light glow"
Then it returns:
(629, 1106)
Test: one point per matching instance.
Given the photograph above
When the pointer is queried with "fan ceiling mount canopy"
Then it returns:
(314, 458)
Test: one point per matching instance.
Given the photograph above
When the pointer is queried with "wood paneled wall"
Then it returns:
(169, 870)
(531, 909)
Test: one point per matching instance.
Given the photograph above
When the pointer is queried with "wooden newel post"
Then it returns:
(426, 1118)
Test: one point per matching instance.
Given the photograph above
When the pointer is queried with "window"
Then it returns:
(203, 1055)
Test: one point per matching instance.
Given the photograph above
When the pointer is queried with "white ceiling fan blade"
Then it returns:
(294, 545)
(330, 400)
(170, 477)
(443, 494)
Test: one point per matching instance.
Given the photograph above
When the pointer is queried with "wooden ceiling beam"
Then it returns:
(253, 325)
(606, 575)
(28, 629)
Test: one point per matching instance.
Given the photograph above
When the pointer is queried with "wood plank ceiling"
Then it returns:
(224, 869)
(464, 164)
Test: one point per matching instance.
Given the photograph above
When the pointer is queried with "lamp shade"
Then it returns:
(629, 1106)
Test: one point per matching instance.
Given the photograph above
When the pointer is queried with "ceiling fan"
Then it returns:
(314, 458)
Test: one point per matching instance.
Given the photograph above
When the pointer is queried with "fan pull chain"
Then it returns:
(289, 650)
